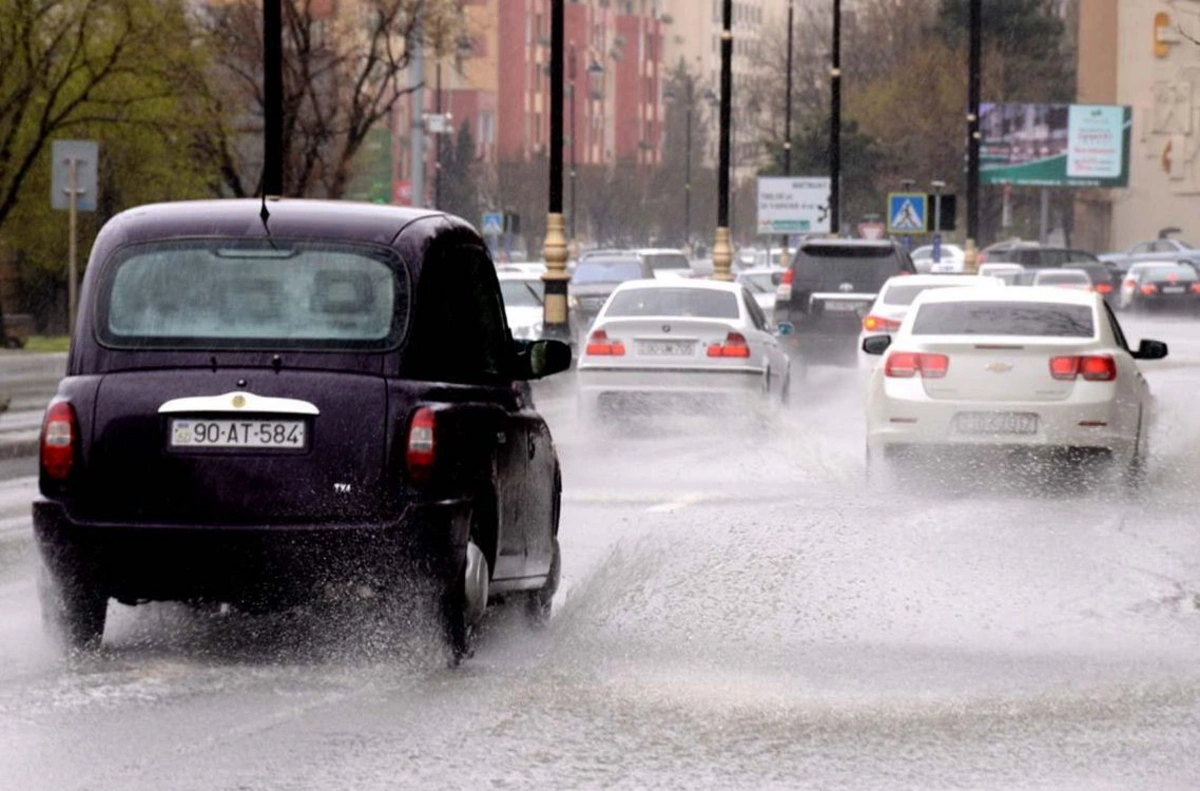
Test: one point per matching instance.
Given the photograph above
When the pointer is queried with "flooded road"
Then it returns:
(739, 608)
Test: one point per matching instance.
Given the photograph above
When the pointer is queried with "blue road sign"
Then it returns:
(907, 212)
(493, 223)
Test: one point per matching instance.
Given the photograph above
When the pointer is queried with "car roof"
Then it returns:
(937, 280)
(523, 276)
(1046, 294)
(760, 270)
(1063, 271)
(699, 284)
(659, 251)
(883, 244)
(1003, 266)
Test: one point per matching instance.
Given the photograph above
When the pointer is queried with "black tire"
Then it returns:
(73, 610)
(458, 633)
(539, 604)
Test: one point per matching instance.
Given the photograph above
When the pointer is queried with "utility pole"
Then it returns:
(722, 249)
(272, 177)
(973, 73)
(417, 163)
(437, 140)
(787, 124)
(687, 167)
(835, 124)
(574, 166)
(555, 321)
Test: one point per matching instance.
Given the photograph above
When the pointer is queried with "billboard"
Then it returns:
(1055, 145)
(793, 205)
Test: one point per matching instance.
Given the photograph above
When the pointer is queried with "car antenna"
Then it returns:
(264, 214)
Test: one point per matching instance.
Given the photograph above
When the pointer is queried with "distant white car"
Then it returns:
(666, 262)
(680, 344)
(1010, 368)
(1063, 278)
(951, 260)
(891, 306)
(1009, 273)
(523, 297)
(762, 282)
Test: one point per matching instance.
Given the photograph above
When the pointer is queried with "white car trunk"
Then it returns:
(1002, 369)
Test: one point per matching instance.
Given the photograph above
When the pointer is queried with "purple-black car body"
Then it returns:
(256, 408)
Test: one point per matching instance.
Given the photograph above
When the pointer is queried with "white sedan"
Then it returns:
(762, 283)
(522, 294)
(683, 344)
(1025, 368)
(897, 295)
(951, 261)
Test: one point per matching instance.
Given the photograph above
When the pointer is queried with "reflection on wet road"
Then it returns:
(739, 609)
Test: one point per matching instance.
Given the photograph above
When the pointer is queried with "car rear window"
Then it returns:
(1167, 272)
(1062, 278)
(1030, 319)
(820, 268)
(670, 261)
(696, 302)
(253, 293)
(607, 270)
(521, 293)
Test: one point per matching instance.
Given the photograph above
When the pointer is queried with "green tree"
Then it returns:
(459, 169)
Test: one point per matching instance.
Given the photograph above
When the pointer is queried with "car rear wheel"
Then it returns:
(73, 610)
(539, 604)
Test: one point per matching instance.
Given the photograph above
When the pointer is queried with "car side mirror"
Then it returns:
(538, 359)
(1150, 350)
(876, 344)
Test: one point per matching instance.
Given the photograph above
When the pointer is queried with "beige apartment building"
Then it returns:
(1144, 54)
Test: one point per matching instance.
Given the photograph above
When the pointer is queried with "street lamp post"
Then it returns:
(555, 279)
(437, 144)
(573, 171)
(835, 124)
(787, 124)
(688, 107)
(722, 249)
(974, 67)
(938, 186)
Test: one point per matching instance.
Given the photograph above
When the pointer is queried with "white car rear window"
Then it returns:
(1028, 319)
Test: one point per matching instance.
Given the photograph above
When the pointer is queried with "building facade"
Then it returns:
(1145, 54)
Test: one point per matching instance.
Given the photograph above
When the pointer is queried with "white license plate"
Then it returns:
(1173, 289)
(996, 423)
(665, 348)
(844, 307)
(197, 433)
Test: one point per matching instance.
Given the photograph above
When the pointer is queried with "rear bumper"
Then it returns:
(275, 564)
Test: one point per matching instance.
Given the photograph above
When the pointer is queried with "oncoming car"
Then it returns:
(259, 406)
(680, 344)
(1025, 369)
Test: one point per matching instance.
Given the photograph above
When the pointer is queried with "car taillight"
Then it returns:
(1092, 367)
(1104, 288)
(1196, 288)
(1149, 289)
(880, 324)
(421, 452)
(784, 290)
(59, 433)
(906, 365)
(787, 278)
(599, 345)
(734, 346)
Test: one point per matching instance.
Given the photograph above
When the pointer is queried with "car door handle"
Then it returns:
(501, 438)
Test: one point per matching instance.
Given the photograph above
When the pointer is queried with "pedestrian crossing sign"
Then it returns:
(907, 212)
(493, 223)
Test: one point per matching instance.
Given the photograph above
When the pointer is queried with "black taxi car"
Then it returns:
(263, 398)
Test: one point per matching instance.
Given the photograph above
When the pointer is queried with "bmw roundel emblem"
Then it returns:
(666, 328)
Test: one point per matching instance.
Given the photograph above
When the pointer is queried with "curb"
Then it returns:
(18, 449)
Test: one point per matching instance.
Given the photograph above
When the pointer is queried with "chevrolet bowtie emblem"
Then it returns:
(999, 368)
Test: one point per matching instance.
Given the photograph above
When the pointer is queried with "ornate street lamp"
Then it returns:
(722, 248)
(554, 306)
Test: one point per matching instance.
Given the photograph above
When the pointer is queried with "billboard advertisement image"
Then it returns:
(1055, 145)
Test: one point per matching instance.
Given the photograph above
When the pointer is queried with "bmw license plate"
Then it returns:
(665, 348)
(199, 433)
(837, 306)
(1173, 289)
(996, 423)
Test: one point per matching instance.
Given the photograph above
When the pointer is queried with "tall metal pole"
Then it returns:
(72, 243)
(835, 124)
(687, 168)
(574, 167)
(437, 140)
(417, 128)
(555, 321)
(722, 249)
(973, 70)
(787, 124)
(272, 177)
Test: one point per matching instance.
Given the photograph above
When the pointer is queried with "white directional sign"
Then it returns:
(74, 169)
(793, 205)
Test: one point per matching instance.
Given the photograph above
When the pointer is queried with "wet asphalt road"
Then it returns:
(738, 610)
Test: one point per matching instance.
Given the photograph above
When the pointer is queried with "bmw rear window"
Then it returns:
(254, 293)
(696, 302)
(1028, 319)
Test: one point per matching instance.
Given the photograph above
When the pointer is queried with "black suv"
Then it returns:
(258, 409)
(596, 275)
(828, 289)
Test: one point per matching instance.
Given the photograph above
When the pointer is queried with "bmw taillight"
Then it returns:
(906, 365)
(421, 451)
(874, 323)
(1092, 367)
(60, 432)
(734, 346)
(600, 345)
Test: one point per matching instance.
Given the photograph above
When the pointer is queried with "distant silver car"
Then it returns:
(762, 282)
(683, 344)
